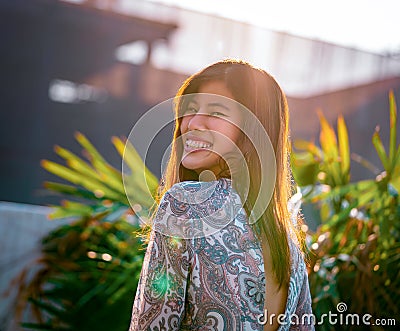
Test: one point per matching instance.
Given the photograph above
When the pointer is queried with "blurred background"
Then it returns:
(96, 66)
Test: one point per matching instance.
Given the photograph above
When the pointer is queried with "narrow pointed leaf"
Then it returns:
(365, 163)
(329, 146)
(341, 215)
(344, 149)
(393, 129)
(134, 161)
(93, 185)
(87, 145)
(79, 165)
(352, 189)
(71, 209)
(309, 147)
(140, 185)
(61, 212)
(395, 178)
(110, 175)
(70, 190)
(328, 138)
(48, 307)
(76, 162)
(380, 149)
(108, 172)
(73, 205)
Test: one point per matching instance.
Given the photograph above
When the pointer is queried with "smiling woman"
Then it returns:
(223, 249)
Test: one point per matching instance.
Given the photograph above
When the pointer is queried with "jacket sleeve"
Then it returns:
(306, 319)
(160, 297)
(184, 210)
(298, 314)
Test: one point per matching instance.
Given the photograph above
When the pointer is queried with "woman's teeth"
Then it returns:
(197, 144)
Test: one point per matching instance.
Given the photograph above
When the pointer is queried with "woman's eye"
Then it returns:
(217, 114)
(190, 110)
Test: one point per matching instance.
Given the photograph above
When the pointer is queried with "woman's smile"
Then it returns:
(195, 146)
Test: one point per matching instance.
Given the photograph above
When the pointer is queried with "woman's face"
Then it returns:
(209, 127)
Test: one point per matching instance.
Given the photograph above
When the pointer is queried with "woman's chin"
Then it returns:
(192, 164)
(200, 159)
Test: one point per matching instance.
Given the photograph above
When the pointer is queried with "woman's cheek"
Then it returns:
(184, 125)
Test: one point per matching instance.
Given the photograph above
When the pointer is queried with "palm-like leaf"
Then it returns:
(350, 251)
(88, 271)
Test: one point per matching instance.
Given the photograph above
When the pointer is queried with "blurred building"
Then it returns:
(314, 74)
(97, 66)
(60, 74)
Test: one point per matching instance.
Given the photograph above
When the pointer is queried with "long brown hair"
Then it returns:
(260, 93)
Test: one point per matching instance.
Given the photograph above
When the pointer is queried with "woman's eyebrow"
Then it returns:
(217, 104)
(192, 101)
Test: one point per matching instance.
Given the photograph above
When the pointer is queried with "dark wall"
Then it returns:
(361, 126)
(41, 41)
(363, 107)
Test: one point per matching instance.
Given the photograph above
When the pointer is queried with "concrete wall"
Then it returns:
(22, 227)
(304, 67)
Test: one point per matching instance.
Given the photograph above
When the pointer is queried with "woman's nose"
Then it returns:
(198, 122)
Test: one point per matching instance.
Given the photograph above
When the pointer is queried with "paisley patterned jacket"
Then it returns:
(204, 270)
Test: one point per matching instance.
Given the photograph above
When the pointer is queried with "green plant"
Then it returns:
(89, 269)
(355, 252)
(88, 272)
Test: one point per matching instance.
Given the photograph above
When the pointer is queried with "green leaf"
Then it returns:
(393, 129)
(140, 185)
(135, 163)
(108, 173)
(305, 168)
(328, 138)
(70, 190)
(395, 180)
(98, 188)
(380, 149)
(352, 189)
(365, 163)
(85, 143)
(48, 307)
(62, 212)
(110, 176)
(329, 146)
(325, 212)
(368, 195)
(76, 163)
(341, 215)
(344, 149)
(309, 147)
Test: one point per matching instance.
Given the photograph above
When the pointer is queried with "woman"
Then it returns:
(224, 252)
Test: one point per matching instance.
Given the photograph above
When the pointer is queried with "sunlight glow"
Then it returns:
(369, 25)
